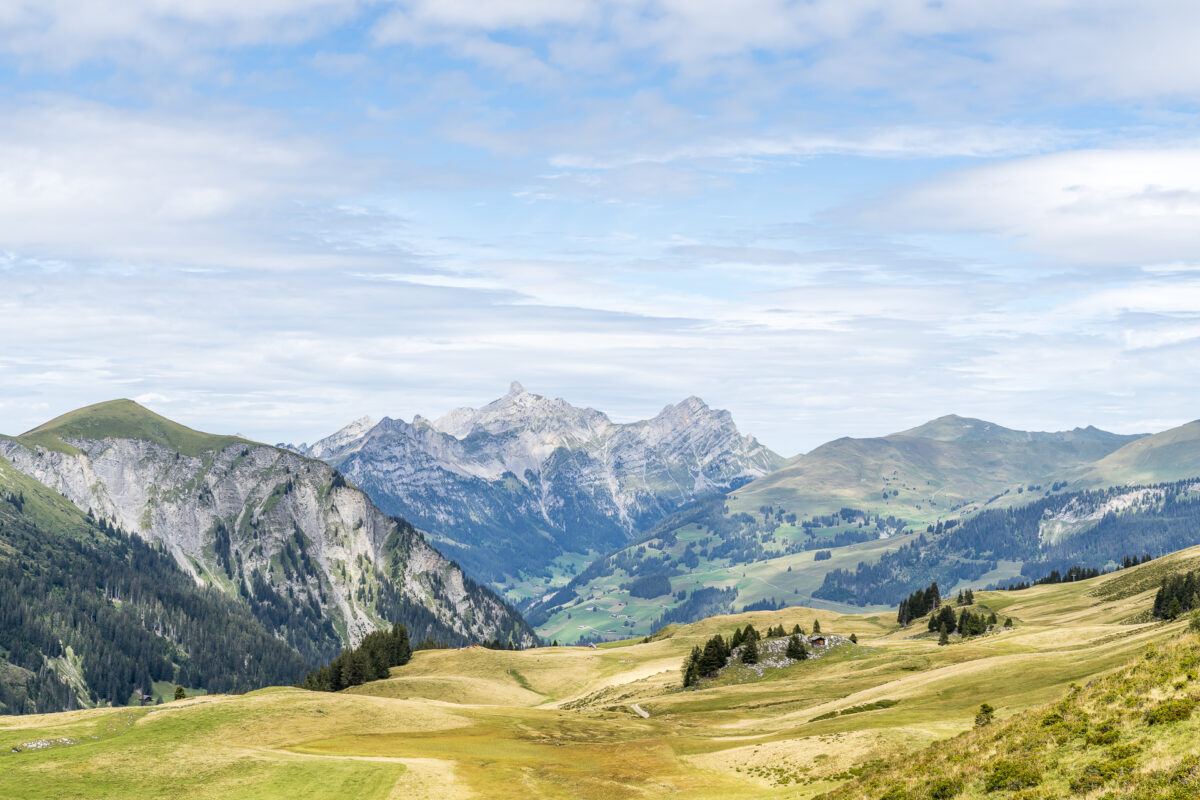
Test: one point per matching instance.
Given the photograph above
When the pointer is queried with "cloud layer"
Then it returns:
(830, 217)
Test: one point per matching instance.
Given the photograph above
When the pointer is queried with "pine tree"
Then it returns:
(1174, 609)
(180, 693)
(797, 629)
(853, 639)
(691, 668)
(985, 716)
(750, 652)
(1008, 623)
(944, 638)
(816, 626)
(795, 648)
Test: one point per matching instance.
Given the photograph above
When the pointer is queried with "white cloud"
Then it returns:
(62, 33)
(1089, 207)
(87, 181)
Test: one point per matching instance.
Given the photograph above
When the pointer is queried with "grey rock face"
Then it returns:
(512, 485)
(253, 514)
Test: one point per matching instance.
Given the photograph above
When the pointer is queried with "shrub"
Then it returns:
(1009, 774)
(945, 788)
(1100, 772)
(1104, 733)
(1171, 711)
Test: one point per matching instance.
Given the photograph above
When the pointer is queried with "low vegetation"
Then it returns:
(894, 713)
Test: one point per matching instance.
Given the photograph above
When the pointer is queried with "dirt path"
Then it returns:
(641, 712)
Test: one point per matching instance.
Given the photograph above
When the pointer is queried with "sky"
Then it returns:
(832, 217)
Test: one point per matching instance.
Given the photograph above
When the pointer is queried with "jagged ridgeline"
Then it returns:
(284, 538)
(509, 487)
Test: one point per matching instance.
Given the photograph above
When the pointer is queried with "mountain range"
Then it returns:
(508, 488)
(599, 529)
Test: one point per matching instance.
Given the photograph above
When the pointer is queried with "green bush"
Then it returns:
(945, 788)
(1104, 733)
(1010, 774)
(1171, 711)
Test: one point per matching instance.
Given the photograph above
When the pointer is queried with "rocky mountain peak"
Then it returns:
(514, 483)
(337, 442)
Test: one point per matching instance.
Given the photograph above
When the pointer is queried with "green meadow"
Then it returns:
(561, 722)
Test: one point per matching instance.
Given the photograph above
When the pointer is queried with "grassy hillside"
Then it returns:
(122, 419)
(1131, 734)
(1172, 455)
(948, 467)
(565, 722)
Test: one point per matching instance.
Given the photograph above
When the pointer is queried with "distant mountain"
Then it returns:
(1171, 455)
(286, 536)
(950, 466)
(507, 488)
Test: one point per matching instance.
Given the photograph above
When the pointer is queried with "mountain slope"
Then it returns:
(314, 559)
(951, 465)
(89, 615)
(1129, 734)
(1171, 455)
(509, 487)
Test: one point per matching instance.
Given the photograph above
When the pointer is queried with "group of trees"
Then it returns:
(968, 623)
(1077, 573)
(378, 652)
(706, 662)
(918, 604)
(647, 586)
(1179, 592)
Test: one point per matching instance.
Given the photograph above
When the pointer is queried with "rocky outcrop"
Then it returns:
(512, 485)
(283, 531)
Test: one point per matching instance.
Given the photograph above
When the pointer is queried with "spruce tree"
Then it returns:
(1173, 609)
(750, 652)
(944, 637)
(797, 629)
(985, 716)
(795, 648)
(816, 626)
(180, 693)
(691, 670)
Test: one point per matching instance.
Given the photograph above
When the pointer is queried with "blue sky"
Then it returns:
(831, 218)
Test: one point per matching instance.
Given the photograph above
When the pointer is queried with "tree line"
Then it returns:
(1178, 593)
(373, 659)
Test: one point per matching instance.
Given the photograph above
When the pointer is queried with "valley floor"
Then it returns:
(605, 722)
